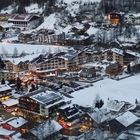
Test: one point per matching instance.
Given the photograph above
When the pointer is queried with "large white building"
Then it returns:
(27, 21)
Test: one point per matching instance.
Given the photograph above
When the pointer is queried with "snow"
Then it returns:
(133, 53)
(92, 30)
(46, 129)
(16, 61)
(10, 102)
(48, 22)
(117, 51)
(34, 8)
(127, 119)
(17, 122)
(15, 135)
(7, 10)
(125, 136)
(28, 48)
(71, 1)
(114, 105)
(99, 115)
(5, 132)
(4, 88)
(123, 90)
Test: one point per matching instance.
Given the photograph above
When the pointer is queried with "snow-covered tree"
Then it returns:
(15, 52)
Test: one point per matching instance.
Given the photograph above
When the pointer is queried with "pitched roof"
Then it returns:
(127, 119)
(46, 129)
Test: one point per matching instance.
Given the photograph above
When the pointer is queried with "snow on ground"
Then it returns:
(92, 30)
(70, 1)
(124, 90)
(48, 22)
(7, 10)
(28, 48)
(34, 8)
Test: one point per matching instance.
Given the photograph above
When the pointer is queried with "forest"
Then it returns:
(23, 3)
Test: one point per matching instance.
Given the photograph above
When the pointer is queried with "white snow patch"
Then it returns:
(123, 90)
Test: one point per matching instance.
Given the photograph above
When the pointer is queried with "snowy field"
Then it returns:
(28, 48)
(124, 90)
(70, 1)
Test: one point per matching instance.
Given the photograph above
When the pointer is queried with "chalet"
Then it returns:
(115, 18)
(10, 105)
(68, 116)
(16, 124)
(18, 64)
(130, 56)
(8, 135)
(40, 102)
(11, 32)
(88, 71)
(7, 75)
(69, 60)
(132, 19)
(24, 38)
(113, 69)
(5, 92)
(135, 66)
(99, 116)
(47, 130)
(25, 21)
(122, 122)
(114, 54)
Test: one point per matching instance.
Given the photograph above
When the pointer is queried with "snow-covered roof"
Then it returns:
(99, 116)
(136, 54)
(26, 58)
(127, 119)
(17, 122)
(135, 62)
(46, 129)
(114, 105)
(117, 51)
(104, 64)
(118, 90)
(92, 30)
(5, 132)
(47, 97)
(4, 88)
(10, 102)
(49, 22)
(13, 134)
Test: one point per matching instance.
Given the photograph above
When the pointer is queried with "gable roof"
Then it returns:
(127, 119)
(17, 122)
(46, 129)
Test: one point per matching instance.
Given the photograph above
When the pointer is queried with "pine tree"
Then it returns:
(2, 65)
(2, 81)
(15, 52)
(18, 83)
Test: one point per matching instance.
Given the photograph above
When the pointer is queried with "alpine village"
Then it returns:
(70, 70)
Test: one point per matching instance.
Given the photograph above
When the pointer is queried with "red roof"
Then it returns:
(22, 17)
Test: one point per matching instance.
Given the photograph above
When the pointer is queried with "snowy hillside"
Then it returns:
(84, 1)
(34, 8)
(27, 48)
